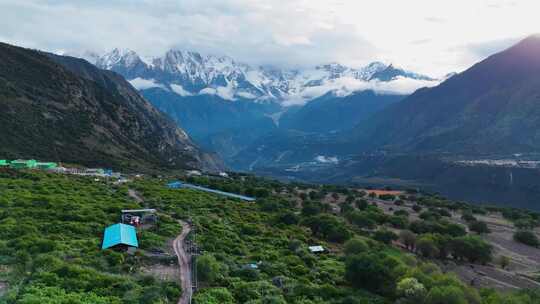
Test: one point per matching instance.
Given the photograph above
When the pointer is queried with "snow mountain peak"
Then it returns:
(190, 73)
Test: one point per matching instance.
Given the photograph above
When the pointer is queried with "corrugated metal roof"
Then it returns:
(316, 248)
(120, 234)
(177, 185)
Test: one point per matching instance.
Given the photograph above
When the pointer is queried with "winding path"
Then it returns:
(184, 258)
(184, 261)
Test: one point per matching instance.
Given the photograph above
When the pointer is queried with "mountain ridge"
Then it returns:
(65, 109)
(189, 73)
(492, 106)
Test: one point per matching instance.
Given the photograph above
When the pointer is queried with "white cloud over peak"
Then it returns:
(345, 86)
(178, 89)
(143, 84)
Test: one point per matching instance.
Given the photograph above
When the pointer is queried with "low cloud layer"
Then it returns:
(346, 85)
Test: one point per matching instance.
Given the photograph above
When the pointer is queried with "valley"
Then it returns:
(358, 128)
(267, 152)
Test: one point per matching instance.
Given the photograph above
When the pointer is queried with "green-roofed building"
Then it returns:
(4, 163)
(46, 166)
(23, 164)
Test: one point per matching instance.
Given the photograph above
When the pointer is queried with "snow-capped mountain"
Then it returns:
(190, 73)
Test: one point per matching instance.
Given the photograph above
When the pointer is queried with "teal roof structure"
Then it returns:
(120, 234)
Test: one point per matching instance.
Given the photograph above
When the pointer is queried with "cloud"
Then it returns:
(327, 159)
(143, 84)
(293, 33)
(226, 93)
(178, 89)
(347, 85)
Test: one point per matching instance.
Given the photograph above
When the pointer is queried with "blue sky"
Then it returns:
(431, 37)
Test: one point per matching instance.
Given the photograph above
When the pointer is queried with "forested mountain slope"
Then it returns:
(65, 109)
(494, 106)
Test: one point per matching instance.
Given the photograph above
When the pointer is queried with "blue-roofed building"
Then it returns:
(174, 185)
(178, 185)
(120, 236)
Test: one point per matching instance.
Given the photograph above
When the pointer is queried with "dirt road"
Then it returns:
(184, 261)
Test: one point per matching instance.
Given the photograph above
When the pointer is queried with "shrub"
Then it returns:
(479, 227)
(373, 271)
(355, 246)
(207, 268)
(527, 237)
(446, 295)
(385, 236)
(417, 208)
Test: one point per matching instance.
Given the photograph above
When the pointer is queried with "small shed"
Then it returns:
(316, 249)
(120, 236)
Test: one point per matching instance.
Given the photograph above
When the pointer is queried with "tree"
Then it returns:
(355, 246)
(327, 226)
(527, 237)
(430, 215)
(373, 271)
(427, 246)
(401, 212)
(468, 216)
(312, 208)
(479, 227)
(288, 218)
(214, 296)
(524, 224)
(504, 261)
(361, 219)
(387, 197)
(385, 236)
(417, 208)
(362, 204)
(446, 295)
(471, 248)
(207, 268)
(411, 290)
(399, 222)
(408, 238)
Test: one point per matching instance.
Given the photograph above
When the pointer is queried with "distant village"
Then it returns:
(56, 168)
(507, 163)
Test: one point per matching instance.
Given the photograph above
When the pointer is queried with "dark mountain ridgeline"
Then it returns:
(65, 109)
(494, 106)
